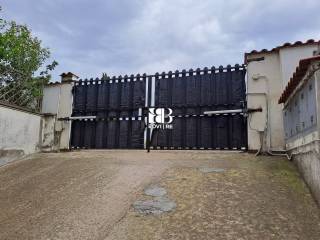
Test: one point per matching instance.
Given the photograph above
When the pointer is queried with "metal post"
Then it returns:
(148, 132)
(149, 102)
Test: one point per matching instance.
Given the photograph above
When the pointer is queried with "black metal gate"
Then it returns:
(107, 113)
(110, 113)
(189, 95)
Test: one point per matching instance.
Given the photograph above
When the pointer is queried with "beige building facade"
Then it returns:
(268, 72)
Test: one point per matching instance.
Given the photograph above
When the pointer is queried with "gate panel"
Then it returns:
(101, 134)
(189, 95)
(89, 134)
(110, 108)
(206, 140)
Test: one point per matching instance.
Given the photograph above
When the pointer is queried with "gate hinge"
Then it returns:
(251, 110)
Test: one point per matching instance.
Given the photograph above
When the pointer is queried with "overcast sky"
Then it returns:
(89, 37)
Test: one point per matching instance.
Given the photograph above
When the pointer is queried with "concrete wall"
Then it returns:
(308, 163)
(268, 78)
(50, 103)
(57, 102)
(300, 113)
(317, 88)
(290, 57)
(65, 110)
(23, 132)
(50, 140)
(264, 87)
(20, 131)
(302, 134)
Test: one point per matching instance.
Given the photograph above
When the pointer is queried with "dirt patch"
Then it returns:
(260, 198)
(7, 156)
(70, 196)
(89, 195)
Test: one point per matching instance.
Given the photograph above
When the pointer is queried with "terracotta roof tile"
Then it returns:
(68, 74)
(285, 45)
(296, 78)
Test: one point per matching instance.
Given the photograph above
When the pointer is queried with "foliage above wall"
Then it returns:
(22, 57)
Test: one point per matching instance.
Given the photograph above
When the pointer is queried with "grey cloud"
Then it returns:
(131, 36)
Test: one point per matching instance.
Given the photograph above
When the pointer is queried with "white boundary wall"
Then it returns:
(19, 130)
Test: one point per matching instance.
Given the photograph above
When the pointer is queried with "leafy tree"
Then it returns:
(21, 57)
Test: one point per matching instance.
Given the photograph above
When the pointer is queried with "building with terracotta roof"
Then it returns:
(268, 73)
(301, 114)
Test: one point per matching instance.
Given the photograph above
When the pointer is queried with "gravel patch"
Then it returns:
(155, 206)
(211, 170)
(155, 191)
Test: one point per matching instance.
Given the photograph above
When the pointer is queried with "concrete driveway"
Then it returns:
(90, 194)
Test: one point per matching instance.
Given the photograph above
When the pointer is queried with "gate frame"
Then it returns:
(150, 96)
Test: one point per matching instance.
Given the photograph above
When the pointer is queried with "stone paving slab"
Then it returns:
(211, 170)
(155, 191)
